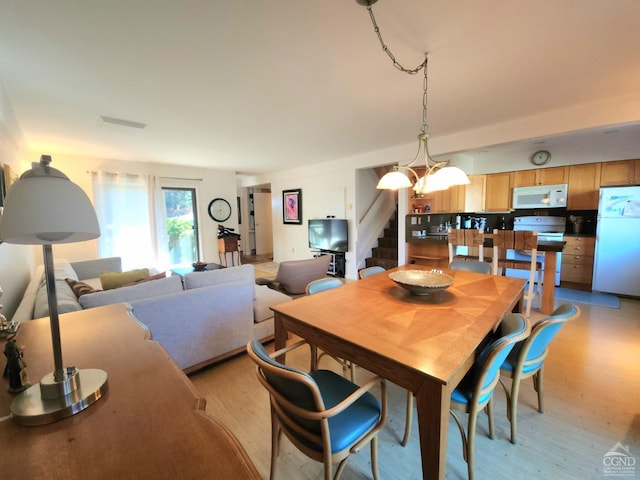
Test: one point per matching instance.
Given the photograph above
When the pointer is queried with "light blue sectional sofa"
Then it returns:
(199, 319)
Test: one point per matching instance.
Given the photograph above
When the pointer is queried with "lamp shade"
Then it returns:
(394, 181)
(450, 176)
(428, 184)
(44, 207)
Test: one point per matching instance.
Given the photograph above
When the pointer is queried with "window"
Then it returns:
(182, 227)
(131, 226)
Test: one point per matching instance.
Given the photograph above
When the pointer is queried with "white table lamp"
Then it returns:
(44, 208)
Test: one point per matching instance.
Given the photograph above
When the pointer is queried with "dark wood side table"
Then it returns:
(150, 424)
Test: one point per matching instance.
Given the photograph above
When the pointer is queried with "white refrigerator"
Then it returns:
(617, 257)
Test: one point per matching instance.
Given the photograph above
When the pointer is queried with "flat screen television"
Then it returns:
(329, 234)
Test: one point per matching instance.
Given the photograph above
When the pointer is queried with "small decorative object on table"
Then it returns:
(199, 266)
(7, 328)
(16, 370)
(421, 282)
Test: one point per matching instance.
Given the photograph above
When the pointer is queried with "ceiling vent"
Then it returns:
(118, 124)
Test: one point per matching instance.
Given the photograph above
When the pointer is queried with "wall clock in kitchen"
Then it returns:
(541, 157)
(219, 209)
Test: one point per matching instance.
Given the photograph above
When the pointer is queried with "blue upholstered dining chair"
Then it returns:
(475, 390)
(323, 284)
(324, 415)
(527, 359)
(368, 271)
(471, 266)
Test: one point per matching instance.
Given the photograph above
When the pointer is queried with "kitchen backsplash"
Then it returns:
(586, 219)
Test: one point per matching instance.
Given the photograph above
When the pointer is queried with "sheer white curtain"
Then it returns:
(131, 215)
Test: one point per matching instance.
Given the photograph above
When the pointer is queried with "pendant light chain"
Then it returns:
(410, 71)
(438, 175)
(425, 126)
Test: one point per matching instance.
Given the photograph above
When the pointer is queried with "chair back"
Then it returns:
(471, 266)
(465, 238)
(368, 271)
(504, 240)
(513, 328)
(294, 275)
(294, 394)
(323, 284)
(533, 350)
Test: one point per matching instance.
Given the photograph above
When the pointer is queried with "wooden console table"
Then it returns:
(150, 424)
(229, 246)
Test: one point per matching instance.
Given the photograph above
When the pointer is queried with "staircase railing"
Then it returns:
(373, 223)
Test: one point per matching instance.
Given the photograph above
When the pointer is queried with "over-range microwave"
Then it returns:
(540, 196)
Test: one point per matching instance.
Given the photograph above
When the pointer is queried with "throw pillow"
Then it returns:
(80, 288)
(157, 276)
(111, 280)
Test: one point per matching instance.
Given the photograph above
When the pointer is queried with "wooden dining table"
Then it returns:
(425, 344)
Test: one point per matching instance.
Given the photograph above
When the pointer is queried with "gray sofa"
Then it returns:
(200, 318)
(294, 275)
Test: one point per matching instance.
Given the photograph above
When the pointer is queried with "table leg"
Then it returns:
(280, 335)
(433, 403)
(549, 282)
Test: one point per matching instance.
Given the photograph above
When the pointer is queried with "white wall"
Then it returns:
(16, 261)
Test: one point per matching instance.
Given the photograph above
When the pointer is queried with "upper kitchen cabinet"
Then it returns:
(541, 176)
(457, 194)
(443, 201)
(474, 194)
(622, 172)
(584, 186)
(498, 192)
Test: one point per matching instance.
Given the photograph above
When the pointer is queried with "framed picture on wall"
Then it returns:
(292, 206)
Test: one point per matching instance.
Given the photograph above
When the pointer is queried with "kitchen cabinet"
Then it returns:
(577, 260)
(541, 176)
(443, 201)
(457, 194)
(621, 172)
(584, 186)
(474, 194)
(498, 192)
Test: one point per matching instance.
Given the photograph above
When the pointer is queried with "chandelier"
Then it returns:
(438, 175)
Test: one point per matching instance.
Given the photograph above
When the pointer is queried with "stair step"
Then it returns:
(382, 252)
(385, 263)
(390, 233)
(388, 242)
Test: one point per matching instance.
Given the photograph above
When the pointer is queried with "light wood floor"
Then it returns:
(592, 393)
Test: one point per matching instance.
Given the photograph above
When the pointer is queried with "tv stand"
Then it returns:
(337, 263)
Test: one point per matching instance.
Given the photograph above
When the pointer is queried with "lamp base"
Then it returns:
(51, 400)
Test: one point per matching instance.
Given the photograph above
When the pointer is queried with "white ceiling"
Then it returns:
(253, 86)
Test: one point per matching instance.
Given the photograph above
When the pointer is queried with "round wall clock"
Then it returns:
(219, 210)
(541, 157)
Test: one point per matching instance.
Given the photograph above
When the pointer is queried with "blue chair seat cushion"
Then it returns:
(464, 391)
(353, 423)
